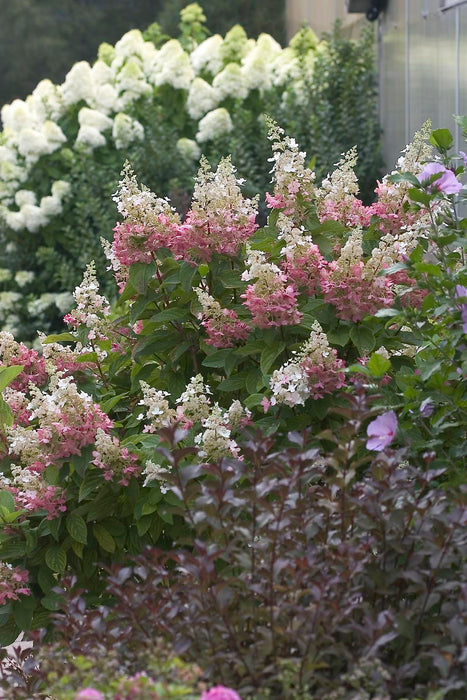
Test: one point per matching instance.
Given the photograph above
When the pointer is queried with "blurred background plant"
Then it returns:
(159, 103)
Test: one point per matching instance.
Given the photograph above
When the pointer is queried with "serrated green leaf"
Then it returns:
(46, 579)
(8, 374)
(23, 610)
(55, 558)
(253, 400)
(9, 633)
(417, 195)
(378, 365)
(60, 338)
(175, 314)
(442, 139)
(7, 501)
(269, 354)
(339, 335)
(141, 275)
(232, 383)
(363, 339)
(77, 528)
(6, 415)
(104, 538)
(91, 483)
(217, 358)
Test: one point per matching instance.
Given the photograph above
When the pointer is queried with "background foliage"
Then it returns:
(324, 95)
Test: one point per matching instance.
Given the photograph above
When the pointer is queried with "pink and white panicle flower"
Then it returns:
(315, 370)
(158, 414)
(149, 222)
(32, 493)
(220, 218)
(303, 260)
(12, 582)
(215, 441)
(352, 287)
(391, 205)
(223, 326)
(290, 177)
(194, 403)
(91, 307)
(66, 420)
(13, 353)
(115, 461)
(18, 402)
(272, 300)
(337, 196)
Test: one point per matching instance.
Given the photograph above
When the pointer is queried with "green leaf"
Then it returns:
(378, 365)
(232, 383)
(7, 501)
(9, 633)
(6, 415)
(140, 276)
(60, 338)
(8, 374)
(442, 139)
(417, 195)
(91, 483)
(253, 400)
(339, 336)
(217, 358)
(23, 610)
(104, 538)
(269, 354)
(55, 558)
(175, 314)
(77, 528)
(46, 579)
(363, 339)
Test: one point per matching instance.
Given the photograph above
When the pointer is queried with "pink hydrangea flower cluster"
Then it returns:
(223, 326)
(116, 462)
(32, 493)
(293, 182)
(271, 300)
(13, 353)
(303, 267)
(353, 295)
(67, 420)
(12, 582)
(350, 211)
(219, 221)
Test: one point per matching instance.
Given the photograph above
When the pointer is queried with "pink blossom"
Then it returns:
(89, 694)
(447, 183)
(303, 266)
(350, 211)
(225, 332)
(381, 431)
(354, 296)
(12, 582)
(33, 367)
(220, 692)
(324, 377)
(277, 308)
(205, 233)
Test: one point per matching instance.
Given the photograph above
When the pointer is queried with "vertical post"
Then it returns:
(407, 74)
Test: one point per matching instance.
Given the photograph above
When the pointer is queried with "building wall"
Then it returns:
(422, 57)
(423, 69)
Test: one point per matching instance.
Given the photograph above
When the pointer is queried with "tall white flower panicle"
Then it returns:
(138, 205)
(202, 98)
(126, 130)
(206, 58)
(257, 64)
(342, 182)
(92, 125)
(131, 82)
(78, 85)
(230, 82)
(194, 403)
(213, 125)
(158, 412)
(92, 308)
(216, 439)
(172, 66)
(259, 269)
(416, 153)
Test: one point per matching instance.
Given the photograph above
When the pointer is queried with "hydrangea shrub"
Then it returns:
(159, 103)
(220, 325)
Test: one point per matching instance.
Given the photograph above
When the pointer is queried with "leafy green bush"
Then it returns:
(159, 102)
(219, 325)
